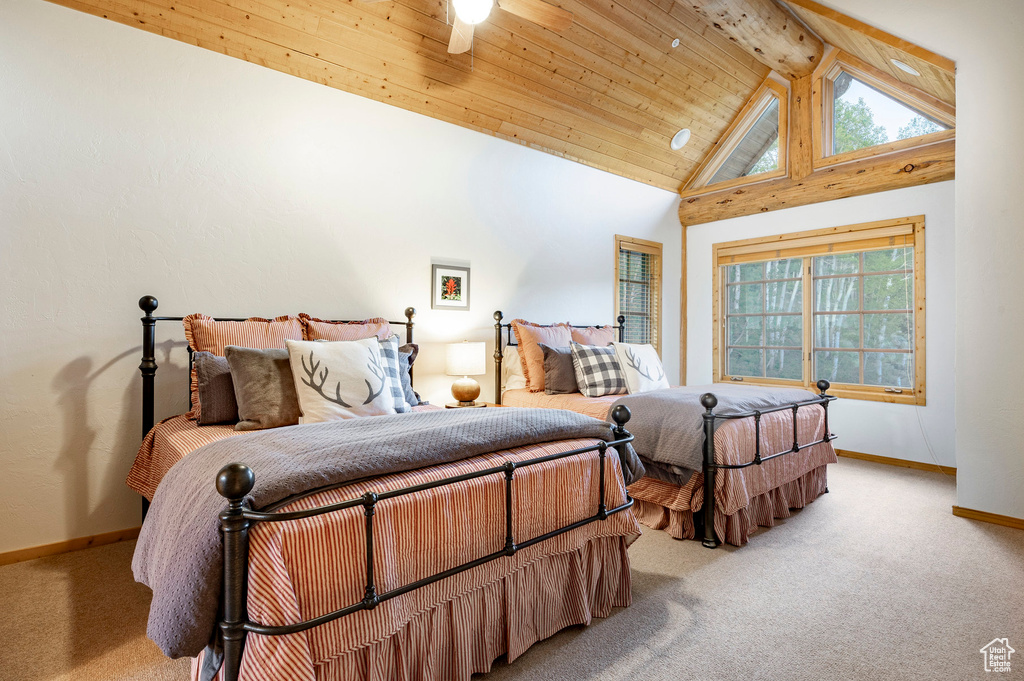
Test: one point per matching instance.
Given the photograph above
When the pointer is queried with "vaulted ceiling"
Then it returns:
(610, 91)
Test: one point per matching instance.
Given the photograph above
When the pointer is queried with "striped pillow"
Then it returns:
(204, 334)
(319, 329)
(598, 371)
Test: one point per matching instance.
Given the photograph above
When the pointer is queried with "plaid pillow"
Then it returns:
(392, 366)
(598, 372)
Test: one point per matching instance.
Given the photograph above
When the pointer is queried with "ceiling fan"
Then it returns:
(468, 13)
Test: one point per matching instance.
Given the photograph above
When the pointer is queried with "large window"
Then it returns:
(844, 304)
(638, 289)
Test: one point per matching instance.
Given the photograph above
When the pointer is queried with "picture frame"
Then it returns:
(450, 288)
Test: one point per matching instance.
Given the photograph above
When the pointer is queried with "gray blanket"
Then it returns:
(669, 428)
(179, 553)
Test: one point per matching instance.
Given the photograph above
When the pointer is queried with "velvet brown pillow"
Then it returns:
(216, 389)
(264, 388)
(559, 374)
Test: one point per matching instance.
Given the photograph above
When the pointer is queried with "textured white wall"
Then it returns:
(895, 430)
(985, 40)
(131, 164)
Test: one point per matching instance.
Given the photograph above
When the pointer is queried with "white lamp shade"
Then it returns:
(466, 359)
(472, 11)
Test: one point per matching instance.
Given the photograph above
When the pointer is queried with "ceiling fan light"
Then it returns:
(472, 11)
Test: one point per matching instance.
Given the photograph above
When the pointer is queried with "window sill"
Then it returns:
(848, 392)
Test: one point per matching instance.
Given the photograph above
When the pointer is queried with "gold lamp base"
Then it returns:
(466, 390)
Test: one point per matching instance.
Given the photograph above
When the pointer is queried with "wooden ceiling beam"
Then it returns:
(922, 165)
(774, 36)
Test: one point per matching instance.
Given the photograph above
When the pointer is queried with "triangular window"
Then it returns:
(757, 152)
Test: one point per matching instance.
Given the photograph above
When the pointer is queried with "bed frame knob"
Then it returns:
(148, 304)
(709, 401)
(498, 316)
(823, 386)
(621, 415)
(235, 481)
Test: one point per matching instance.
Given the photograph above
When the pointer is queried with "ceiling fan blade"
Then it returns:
(462, 37)
(539, 12)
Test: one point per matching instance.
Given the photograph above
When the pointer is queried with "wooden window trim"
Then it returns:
(837, 62)
(651, 248)
(762, 98)
(844, 239)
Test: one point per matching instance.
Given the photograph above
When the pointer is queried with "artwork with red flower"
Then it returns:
(450, 287)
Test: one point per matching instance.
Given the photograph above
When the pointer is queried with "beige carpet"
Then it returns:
(876, 580)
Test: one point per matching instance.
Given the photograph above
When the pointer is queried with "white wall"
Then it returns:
(131, 164)
(899, 431)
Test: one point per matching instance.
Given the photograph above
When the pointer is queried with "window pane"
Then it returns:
(751, 271)
(784, 364)
(634, 297)
(888, 331)
(846, 263)
(889, 292)
(837, 331)
(757, 152)
(745, 330)
(865, 117)
(745, 298)
(789, 268)
(638, 329)
(894, 259)
(745, 362)
(894, 369)
(784, 296)
(784, 331)
(837, 366)
(840, 294)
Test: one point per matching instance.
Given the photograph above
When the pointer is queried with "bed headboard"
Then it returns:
(503, 336)
(148, 304)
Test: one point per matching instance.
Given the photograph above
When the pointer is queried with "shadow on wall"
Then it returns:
(84, 510)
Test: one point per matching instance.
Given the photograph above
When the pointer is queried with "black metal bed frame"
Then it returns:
(709, 402)
(236, 480)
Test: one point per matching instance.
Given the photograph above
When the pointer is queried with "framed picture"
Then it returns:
(450, 289)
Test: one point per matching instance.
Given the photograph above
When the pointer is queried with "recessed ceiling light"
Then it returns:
(680, 139)
(905, 67)
(675, 43)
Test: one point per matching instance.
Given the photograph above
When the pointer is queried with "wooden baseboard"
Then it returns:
(986, 517)
(917, 465)
(34, 552)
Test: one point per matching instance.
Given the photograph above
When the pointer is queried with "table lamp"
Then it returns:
(466, 359)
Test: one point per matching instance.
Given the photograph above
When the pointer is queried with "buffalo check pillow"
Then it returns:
(598, 371)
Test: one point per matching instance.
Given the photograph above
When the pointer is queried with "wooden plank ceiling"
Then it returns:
(610, 91)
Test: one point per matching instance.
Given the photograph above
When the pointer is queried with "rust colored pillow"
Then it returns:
(319, 329)
(529, 336)
(204, 334)
(594, 335)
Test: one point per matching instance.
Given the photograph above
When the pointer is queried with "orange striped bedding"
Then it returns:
(745, 498)
(457, 626)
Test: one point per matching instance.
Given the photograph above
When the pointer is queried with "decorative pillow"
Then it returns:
(512, 377)
(264, 388)
(204, 334)
(594, 335)
(406, 357)
(340, 380)
(559, 373)
(529, 337)
(216, 390)
(598, 371)
(319, 329)
(389, 355)
(642, 367)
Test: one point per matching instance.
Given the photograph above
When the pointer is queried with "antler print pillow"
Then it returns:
(340, 380)
(642, 367)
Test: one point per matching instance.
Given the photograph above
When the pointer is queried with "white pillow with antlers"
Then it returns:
(642, 367)
(339, 380)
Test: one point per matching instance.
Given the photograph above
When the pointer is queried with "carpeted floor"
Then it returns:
(876, 580)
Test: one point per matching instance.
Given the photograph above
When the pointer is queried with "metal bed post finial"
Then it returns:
(621, 320)
(410, 312)
(823, 387)
(148, 304)
(498, 316)
(709, 402)
(234, 482)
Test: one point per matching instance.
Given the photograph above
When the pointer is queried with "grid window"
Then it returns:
(638, 294)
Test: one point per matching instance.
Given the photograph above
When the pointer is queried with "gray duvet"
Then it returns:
(668, 425)
(179, 552)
